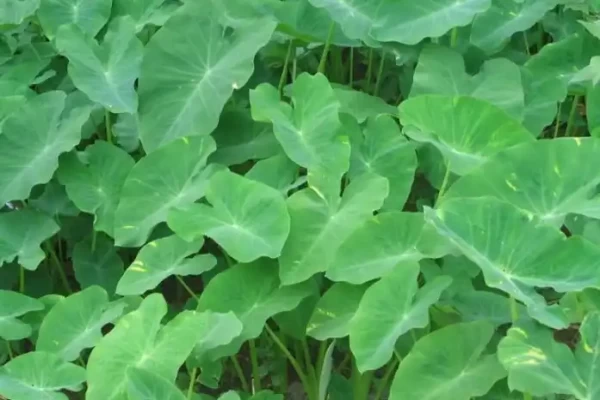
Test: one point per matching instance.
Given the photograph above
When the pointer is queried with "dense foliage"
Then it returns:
(320, 199)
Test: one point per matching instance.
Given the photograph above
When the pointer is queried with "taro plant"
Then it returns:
(299, 199)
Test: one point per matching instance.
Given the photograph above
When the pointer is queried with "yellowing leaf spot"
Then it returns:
(138, 266)
(556, 170)
(185, 140)
(511, 185)
(153, 244)
(587, 348)
(578, 141)
(128, 227)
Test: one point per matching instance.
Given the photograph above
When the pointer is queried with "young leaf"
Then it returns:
(39, 375)
(97, 263)
(149, 192)
(146, 385)
(247, 218)
(449, 363)
(13, 305)
(222, 328)
(106, 72)
(160, 259)
(389, 308)
(361, 105)
(94, 180)
(185, 84)
(21, 235)
(86, 313)
(33, 139)
(89, 16)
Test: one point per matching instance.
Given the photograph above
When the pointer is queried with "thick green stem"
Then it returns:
(21, 279)
(454, 37)
(514, 310)
(572, 114)
(379, 74)
(323, 61)
(190, 391)
(108, 126)
(383, 384)
(240, 373)
(58, 266)
(361, 383)
(310, 368)
(283, 77)
(321, 356)
(256, 386)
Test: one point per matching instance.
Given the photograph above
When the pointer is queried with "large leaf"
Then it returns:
(13, 305)
(467, 131)
(96, 262)
(94, 180)
(185, 84)
(33, 139)
(319, 227)
(39, 375)
(138, 340)
(89, 16)
(539, 365)
(389, 308)
(411, 22)
(254, 294)
(144, 12)
(160, 259)
(21, 234)
(222, 328)
(450, 363)
(86, 312)
(247, 218)
(146, 385)
(13, 12)
(106, 72)
(150, 192)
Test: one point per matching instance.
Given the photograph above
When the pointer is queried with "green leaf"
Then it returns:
(361, 105)
(138, 340)
(308, 132)
(185, 84)
(33, 139)
(146, 385)
(94, 179)
(389, 308)
(13, 305)
(492, 28)
(484, 306)
(383, 150)
(334, 311)
(254, 294)
(539, 365)
(13, 12)
(105, 73)
(89, 16)
(97, 263)
(160, 259)
(86, 312)
(387, 241)
(126, 132)
(279, 172)
(21, 234)
(149, 193)
(467, 131)
(231, 395)
(54, 201)
(411, 22)
(145, 12)
(442, 71)
(222, 329)
(39, 375)
(451, 363)
(319, 227)
(247, 218)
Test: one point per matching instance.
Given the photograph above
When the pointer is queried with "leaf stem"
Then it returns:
(284, 73)
(240, 373)
(454, 37)
(444, 183)
(572, 113)
(21, 279)
(379, 74)
(256, 386)
(11, 355)
(557, 123)
(190, 391)
(323, 61)
(94, 237)
(391, 367)
(108, 126)
(526, 40)
(351, 77)
(369, 67)
(186, 287)
(361, 383)
(57, 264)
(514, 310)
(308, 361)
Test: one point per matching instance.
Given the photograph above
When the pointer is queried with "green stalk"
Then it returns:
(190, 391)
(94, 235)
(321, 357)
(391, 367)
(310, 368)
(294, 67)
(379, 74)
(58, 266)
(186, 287)
(21, 280)
(572, 113)
(514, 310)
(557, 124)
(9, 350)
(454, 37)
(323, 61)
(108, 126)
(351, 77)
(361, 383)
(256, 387)
(444, 183)
(369, 67)
(284, 73)
(526, 43)
(240, 373)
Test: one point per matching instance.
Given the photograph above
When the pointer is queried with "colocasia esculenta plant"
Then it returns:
(299, 199)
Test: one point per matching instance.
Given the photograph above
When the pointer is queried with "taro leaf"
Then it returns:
(126, 132)
(545, 178)
(411, 22)
(295, 322)
(160, 259)
(466, 130)
(319, 227)
(361, 105)
(492, 28)
(144, 12)
(278, 172)
(539, 256)
(389, 308)
(105, 73)
(384, 242)
(138, 340)
(484, 306)
(21, 234)
(383, 150)
(591, 73)
(334, 311)
(54, 201)
(146, 385)
(86, 312)
(539, 365)
(223, 328)
(308, 131)
(247, 219)
(89, 16)
(33, 139)
(254, 294)
(13, 12)
(231, 395)
(39, 375)
(160, 181)
(13, 305)
(97, 263)
(93, 180)
(450, 363)
(185, 84)
(442, 71)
